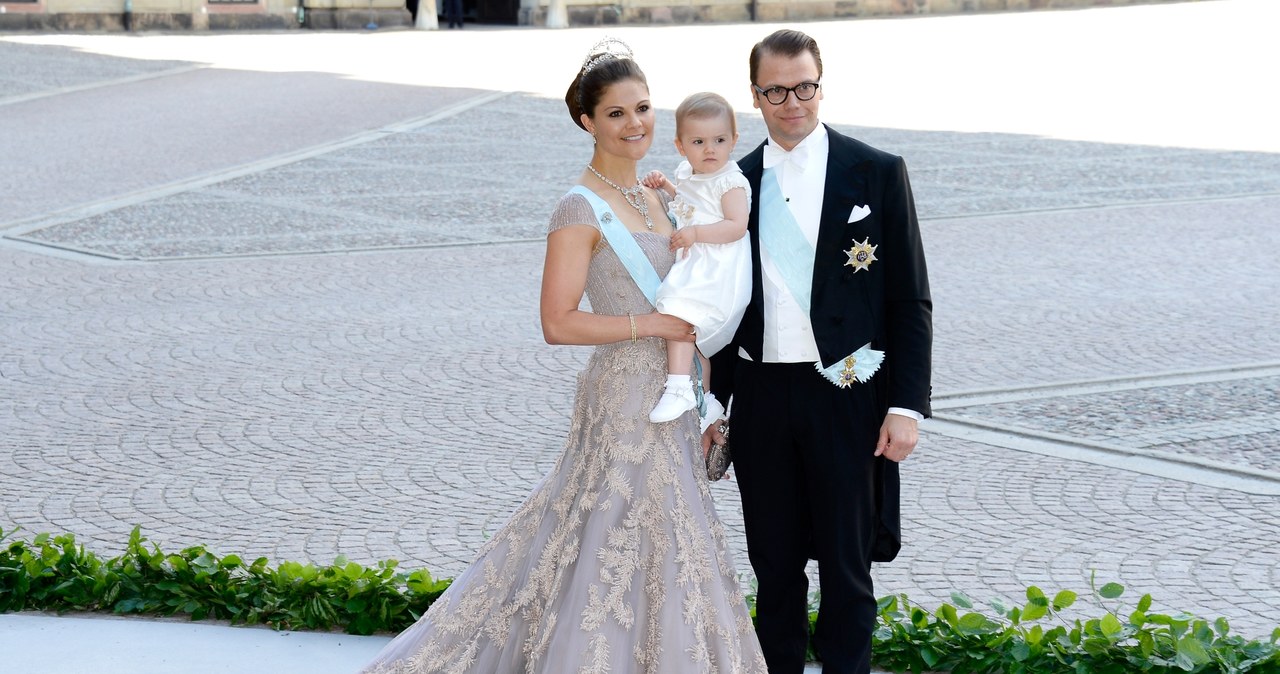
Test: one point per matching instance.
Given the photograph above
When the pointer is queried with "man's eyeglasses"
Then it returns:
(778, 95)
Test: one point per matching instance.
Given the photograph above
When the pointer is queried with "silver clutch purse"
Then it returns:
(718, 457)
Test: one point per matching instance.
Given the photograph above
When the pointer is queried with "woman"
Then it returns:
(617, 561)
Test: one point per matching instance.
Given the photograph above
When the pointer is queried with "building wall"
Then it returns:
(356, 14)
(75, 15)
(593, 12)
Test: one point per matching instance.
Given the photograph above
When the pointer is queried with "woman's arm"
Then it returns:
(564, 280)
(733, 227)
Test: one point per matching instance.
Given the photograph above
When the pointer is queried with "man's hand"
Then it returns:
(898, 437)
(712, 436)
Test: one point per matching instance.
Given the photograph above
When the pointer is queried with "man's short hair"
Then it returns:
(788, 43)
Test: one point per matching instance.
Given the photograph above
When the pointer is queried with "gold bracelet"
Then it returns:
(633, 327)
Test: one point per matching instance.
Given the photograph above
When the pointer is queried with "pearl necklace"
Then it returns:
(633, 195)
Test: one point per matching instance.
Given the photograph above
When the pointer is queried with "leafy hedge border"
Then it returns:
(55, 573)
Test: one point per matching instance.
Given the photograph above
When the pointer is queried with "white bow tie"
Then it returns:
(774, 155)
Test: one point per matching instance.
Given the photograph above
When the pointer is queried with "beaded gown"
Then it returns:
(617, 561)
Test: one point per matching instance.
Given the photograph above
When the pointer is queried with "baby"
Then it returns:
(710, 283)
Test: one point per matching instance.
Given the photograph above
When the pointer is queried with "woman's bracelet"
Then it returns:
(632, 319)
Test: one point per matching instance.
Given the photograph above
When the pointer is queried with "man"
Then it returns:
(453, 12)
(839, 282)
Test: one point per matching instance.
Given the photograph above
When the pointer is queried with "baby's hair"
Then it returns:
(705, 105)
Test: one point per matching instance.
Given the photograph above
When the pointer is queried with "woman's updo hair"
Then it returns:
(609, 62)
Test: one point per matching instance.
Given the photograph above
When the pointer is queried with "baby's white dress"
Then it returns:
(710, 287)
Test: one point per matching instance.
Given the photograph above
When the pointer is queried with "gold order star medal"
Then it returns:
(847, 376)
(861, 255)
(858, 366)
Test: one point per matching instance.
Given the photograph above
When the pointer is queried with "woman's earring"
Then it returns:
(593, 139)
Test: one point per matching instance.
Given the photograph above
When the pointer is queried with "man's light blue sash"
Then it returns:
(793, 256)
(791, 252)
(623, 244)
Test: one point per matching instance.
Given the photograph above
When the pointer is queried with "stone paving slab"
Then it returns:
(1236, 422)
(98, 144)
(1210, 552)
(435, 185)
(1252, 446)
(31, 69)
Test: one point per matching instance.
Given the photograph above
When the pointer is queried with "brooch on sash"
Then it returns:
(861, 255)
(856, 367)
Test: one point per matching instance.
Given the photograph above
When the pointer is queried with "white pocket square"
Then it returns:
(742, 353)
(859, 212)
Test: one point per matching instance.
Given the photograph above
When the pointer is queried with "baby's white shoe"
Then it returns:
(677, 398)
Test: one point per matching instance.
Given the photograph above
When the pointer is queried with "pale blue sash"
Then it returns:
(791, 252)
(624, 245)
(793, 256)
(638, 265)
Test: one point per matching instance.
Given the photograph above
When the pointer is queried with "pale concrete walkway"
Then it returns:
(42, 644)
(103, 645)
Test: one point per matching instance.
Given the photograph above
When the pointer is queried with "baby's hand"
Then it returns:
(683, 238)
(654, 180)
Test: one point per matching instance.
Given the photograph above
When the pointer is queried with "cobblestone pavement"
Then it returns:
(1232, 422)
(29, 71)
(336, 350)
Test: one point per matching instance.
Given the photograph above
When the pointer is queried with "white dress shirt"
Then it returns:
(802, 178)
(788, 335)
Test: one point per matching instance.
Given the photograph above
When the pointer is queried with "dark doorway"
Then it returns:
(498, 11)
(476, 11)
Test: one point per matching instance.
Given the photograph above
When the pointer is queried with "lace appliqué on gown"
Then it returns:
(617, 561)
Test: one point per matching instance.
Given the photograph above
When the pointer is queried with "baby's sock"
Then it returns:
(677, 380)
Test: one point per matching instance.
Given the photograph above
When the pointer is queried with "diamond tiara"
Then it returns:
(605, 50)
